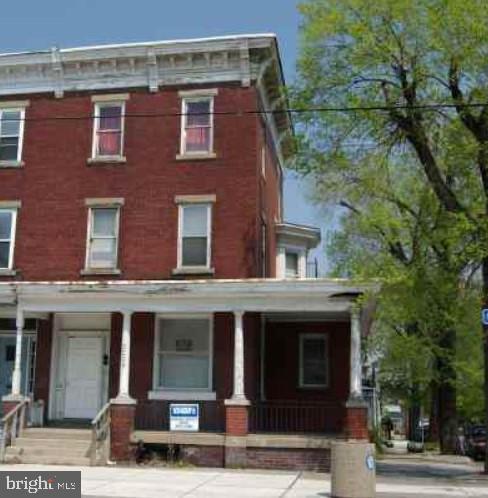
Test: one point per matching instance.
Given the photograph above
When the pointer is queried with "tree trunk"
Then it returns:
(434, 413)
(448, 423)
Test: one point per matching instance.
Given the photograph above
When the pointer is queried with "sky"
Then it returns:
(42, 24)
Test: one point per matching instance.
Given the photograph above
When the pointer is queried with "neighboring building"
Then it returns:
(144, 259)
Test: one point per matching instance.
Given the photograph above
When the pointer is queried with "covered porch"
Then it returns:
(279, 368)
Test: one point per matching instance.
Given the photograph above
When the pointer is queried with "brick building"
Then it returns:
(145, 262)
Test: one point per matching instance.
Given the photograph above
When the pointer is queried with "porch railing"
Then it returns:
(100, 441)
(154, 415)
(296, 417)
(12, 426)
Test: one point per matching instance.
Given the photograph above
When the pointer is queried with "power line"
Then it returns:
(244, 112)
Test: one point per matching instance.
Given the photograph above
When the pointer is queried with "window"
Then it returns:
(11, 133)
(291, 265)
(108, 130)
(197, 126)
(313, 361)
(8, 218)
(264, 252)
(103, 231)
(194, 235)
(183, 348)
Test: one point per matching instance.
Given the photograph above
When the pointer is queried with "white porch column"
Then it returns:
(238, 395)
(17, 373)
(123, 396)
(355, 390)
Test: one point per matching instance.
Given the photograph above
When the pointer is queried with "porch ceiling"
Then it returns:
(260, 295)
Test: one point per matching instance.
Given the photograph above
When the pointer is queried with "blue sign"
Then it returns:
(184, 417)
(484, 316)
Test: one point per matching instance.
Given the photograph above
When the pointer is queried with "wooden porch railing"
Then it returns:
(12, 425)
(100, 441)
(296, 417)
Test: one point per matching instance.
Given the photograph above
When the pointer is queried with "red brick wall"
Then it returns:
(269, 194)
(203, 456)
(43, 360)
(289, 459)
(56, 180)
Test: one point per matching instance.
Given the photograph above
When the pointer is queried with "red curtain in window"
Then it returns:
(198, 139)
(109, 143)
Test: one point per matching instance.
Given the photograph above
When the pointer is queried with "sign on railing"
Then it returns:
(184, 417)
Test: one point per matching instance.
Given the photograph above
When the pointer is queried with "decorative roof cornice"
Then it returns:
(248, 59)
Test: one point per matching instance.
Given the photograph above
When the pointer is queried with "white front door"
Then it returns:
(83, 398)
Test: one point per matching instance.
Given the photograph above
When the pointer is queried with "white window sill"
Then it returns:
(182, 395)
(107, 160)
(11, 164)
(196, 156)
(100, 271)
(193, 270)
(5, 272)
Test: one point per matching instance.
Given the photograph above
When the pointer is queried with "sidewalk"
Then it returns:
(206, 483)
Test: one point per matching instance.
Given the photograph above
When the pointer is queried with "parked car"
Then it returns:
(476, 442)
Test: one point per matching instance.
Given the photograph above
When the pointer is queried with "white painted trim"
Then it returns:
(105, 202)
(199, 92)
(111, 97)
(11, 240)
(96, 123)
(184, 114)
(100, 270)
(195, 199)
(57, 332)
(179, 264)
(14, 104)
(208, 391)
(20, 143)
(10, 204)
(313, 335)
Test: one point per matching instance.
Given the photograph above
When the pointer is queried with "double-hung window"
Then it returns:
(183, 354)
(197, 123)
(103, 234)
(194, 240)
(11, 134)
(313, 360)
(8, 220)
(108, 132)
(291, 264)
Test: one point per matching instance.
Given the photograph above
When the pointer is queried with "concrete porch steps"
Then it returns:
(51, 446)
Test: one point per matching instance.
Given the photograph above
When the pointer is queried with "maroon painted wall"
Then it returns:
(43, 360)
(56, 179)
(282, 349)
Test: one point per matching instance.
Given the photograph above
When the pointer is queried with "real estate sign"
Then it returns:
(184, 417)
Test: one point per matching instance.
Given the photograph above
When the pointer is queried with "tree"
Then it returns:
(415, 72)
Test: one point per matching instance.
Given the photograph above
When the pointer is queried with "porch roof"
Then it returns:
(260, 295)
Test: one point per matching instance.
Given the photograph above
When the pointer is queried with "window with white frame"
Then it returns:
(313, 360)
(11, 134)
(194, 240)
(8, 219)
(103, 234)
(197, 125)
(183, 354)
(108, 129)
(291, 264)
